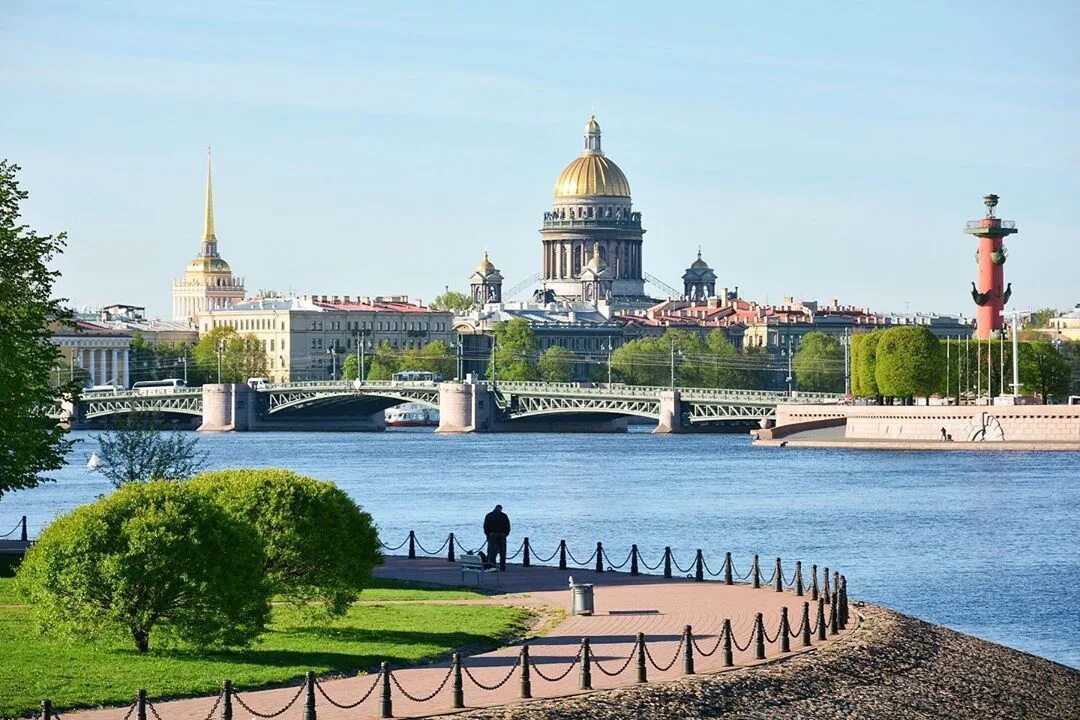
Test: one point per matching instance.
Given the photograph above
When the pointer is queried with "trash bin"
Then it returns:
(582, 595)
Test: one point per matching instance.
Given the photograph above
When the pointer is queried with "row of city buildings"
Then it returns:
(590, 298)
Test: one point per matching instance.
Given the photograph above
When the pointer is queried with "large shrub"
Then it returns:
(909, 362)
(150, 557)
(320, 546)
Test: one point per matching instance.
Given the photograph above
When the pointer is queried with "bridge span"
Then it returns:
(475, 406)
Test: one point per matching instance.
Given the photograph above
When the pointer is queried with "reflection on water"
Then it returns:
(988, 543)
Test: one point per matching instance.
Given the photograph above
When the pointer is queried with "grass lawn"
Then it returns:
(387, 624)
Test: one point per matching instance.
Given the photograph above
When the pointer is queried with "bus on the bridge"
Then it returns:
(416, 376)
(158, 387)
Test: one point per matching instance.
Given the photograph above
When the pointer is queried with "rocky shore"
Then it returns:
(894, 667)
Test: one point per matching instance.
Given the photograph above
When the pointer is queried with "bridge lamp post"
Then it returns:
(220, 347)
(789, 377)
(609, 348)
(673, 363)
(332, 352)
(184, 361)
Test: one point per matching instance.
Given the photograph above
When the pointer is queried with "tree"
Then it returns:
(65, 373)
(1044, 371)
(242, 356)
(867, 367)
(150, 558)
(555, 365)
(515, 349)
(452, 300)
(437, 357)
(819, 363)
(320, 546)
(160, 360)
(139, 451)
(1040, 318)
(383, 363)
(853, 367)
(350, 368)
(31, 442)
(909, 362)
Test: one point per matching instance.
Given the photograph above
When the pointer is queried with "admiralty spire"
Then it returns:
(208, 282)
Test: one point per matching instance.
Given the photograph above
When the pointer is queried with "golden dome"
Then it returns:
(592, 174)
(485, 265)
(207, 265)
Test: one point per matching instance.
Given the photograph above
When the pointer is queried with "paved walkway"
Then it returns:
(625, 606)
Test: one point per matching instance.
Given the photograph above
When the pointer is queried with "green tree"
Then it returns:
(31, 442)
(453, 301)
(242, 356)
(138, 450)
(1044, 371)
(515, 350)
(1040, 318)
(437, 357)
(909, 362)
(853, 367)
(556, 365)
(65, 373)
(320, 546)
(819, 363)
(150, 558)
(350, 367)
(383, 363)
(723, 362)
(160, 360)
(867, 367)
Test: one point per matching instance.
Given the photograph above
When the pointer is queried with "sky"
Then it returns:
(817, 150)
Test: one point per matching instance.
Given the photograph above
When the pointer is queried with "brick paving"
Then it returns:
(625, 606)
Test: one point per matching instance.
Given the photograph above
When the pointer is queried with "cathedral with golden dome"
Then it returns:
(208, 282)
(592, 237)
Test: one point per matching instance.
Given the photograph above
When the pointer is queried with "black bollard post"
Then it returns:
(46, 710)
(309, 696)
(562, 554)
(688, 651)
(667, 562)
(821, 618)
(756, 572)
(599, 557)
(699, 566)
(759, 640)
(832, 616)
(526, 680)
(843, 603)
(633, 560)
(387, 703)
(140, 705)
(728, 661)
(779, 573)
(806, 624)
(728, 580)
(785, 631)
(458, 689)
(585, 676)
(642, 671)
(412, 545)
(798, 578)
(835, 584)
(22, 535)
(226, 700)
(526, 561)
(450, 552)
(813, 583)
(825, 589)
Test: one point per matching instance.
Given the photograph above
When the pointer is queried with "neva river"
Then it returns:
(987, 543)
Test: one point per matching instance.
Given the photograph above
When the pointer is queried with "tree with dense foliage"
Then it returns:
(320, 546)
(453, 301)
(819, 363)
(350, 367)
(1044, 371)
(700, 361)
(31, 442)
(160, 360)
(67, 372)
(242, 356)
(556, 365)
(1040, 318)
(866, 369)
(153, 558)
(909, 362)
(515, 351)
(383, 363)
(138, 450)
(853, 366)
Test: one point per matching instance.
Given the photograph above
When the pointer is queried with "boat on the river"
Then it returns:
(94, 462)
(412, 415)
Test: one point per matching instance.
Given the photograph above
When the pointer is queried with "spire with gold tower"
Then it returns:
(208, 282)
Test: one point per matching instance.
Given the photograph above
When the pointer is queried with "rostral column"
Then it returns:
(989, 291)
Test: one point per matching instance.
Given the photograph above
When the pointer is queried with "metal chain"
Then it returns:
(256, 713)
(496, 686)
(679, 567)
(153, 710)
(126, 715)
(394, 549)
(12, 530)
(522, 547)
(579, 562)
(671, 664)
(741, 576)
(217, 701)
(425, 698)
(612, 566)
(596, 662)
(650, 567)
(719, 640)
(350, 706)
(742, 648)
(768, 639)
(771, 578)
(798, 631)
(436, 552)
(539, 672)
(713, 574)
(544, 560)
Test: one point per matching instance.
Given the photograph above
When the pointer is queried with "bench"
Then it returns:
(474, 565)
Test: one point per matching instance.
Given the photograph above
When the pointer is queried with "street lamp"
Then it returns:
(789, 377)
(609, 348)
(360, 355)
(220, 347)
(673, 363)
(332, 352)
(184, 361)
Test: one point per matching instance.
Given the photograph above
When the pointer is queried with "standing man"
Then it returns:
(497, 527)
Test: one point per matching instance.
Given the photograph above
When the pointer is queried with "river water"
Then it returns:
(987, 543)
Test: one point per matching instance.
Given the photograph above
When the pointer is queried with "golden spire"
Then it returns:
(208, 227)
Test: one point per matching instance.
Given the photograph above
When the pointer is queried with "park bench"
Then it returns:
(475, 565)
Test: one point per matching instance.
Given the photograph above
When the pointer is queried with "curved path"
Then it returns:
(625, 606)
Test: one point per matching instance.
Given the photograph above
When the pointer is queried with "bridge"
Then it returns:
(464, 407)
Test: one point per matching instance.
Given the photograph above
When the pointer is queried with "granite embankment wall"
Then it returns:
(966, 423)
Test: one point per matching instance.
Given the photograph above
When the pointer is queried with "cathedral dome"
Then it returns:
(592, 174)
(208, 265)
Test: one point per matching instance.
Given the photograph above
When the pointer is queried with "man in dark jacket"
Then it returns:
(497, 527)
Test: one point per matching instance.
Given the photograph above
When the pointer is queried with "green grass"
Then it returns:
(388, 624)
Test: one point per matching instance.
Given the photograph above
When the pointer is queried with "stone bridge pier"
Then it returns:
(238, 408)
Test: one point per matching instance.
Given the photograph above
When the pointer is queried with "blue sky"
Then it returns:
(380, 147)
